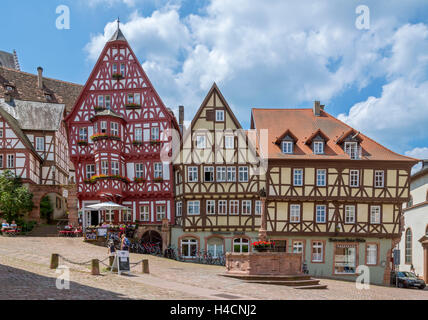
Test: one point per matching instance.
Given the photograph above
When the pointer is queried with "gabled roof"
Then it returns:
(13, 123)
(32, 115)
(355, 135)
(108, 112)
(26, 88)
(118, 36)
(285, 134)
(315, 134)
(303, 123)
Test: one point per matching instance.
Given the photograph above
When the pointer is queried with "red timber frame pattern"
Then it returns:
(116, 76)
(242, 155)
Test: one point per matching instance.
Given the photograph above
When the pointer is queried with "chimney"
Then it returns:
(40, 77)
(181, 118)
(317, 108)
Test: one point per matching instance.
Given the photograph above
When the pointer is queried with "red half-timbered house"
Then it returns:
(118, 128)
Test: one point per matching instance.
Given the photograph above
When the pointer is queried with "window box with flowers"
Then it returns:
(137, 143)
(88, 181)
(133, 106)
(106, 177)
(155, 142)
(158, 179)
(263, 246)
(139, 180)
(82, 143)
(103, 136)
(117, 76)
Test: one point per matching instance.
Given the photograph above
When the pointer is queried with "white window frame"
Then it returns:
(114, 129)
(40, 144)
(192, 174)
(158, 170)
(234, 207)
(321, 176)
(123, 69)
(179, 209)
(145, 214)
(190, 243)
(354, 178)
(104, 167)
(351, 149)
(139, 170)
(211, 171)
(83, 134)
(231, 174)
(107, 102)
(193, 208)
(210, 207)
(101, 101)
(372, 251)
(222, 207)
(298, 177)
(321, 211)
(350, 214)
(90, 171)
(103, 127)
(295, 211)
(287, 147)
(379, 179)
(317, 256)
(318, 147)
(219, 115)
(375, 214)
(139, 134)
(246, 207)
(201, 142)
(241, 242)
(298, 246)
(115, 168)
(154, 134)
(229, 142)
(243, 174)
(258, 208)
(160, 214)
(221, 174)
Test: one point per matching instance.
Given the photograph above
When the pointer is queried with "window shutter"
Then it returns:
(210, 115)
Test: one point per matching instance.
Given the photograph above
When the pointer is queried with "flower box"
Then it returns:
(263, 246)
(139, 180)
(101, 136)
(117, 76)
(82, 143)
(105, 177)
(137, 143)
(133, 106)
(155, 142)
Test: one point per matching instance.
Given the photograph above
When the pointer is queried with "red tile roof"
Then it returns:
(303, 124)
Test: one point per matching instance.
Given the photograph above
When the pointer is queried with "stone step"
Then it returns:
(268, 277)
(44, 231)
(317, 287)
(290, 283)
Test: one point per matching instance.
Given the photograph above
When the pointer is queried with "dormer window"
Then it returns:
(48, 97)
(351, 148)
(287, 147)
(319, 147)
(9, 88)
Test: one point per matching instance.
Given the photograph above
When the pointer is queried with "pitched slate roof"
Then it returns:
(304, 124)
(7, 60)
(26, 88)
(118, 36)
(35, 115)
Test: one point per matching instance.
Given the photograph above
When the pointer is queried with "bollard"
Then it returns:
(110, 262)
(146, 266)
(95, 267)
(54, 260)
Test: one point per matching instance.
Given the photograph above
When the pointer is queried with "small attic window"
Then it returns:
(9, 87)
(48, 97)
(287, 146)
(318, 147)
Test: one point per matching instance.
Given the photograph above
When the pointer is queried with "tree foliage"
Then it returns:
(15, 199)
(46, 209)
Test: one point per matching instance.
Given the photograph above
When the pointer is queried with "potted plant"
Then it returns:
(139, 180)
(82, 143)
(263, 246)
(117, 76)
(137, 143)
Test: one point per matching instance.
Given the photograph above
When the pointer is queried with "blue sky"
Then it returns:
(285, 54)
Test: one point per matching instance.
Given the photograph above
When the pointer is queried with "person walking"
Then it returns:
(125, 243)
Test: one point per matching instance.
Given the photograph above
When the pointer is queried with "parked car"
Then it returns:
(406, 280)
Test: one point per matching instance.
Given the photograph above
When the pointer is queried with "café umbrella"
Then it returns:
(107, 206)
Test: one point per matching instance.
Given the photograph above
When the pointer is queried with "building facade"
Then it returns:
(33, 136)
(333, 194)
(117, 130)
(217, 183)
(414, 241)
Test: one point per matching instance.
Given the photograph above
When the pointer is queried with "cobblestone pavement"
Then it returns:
(25, 274)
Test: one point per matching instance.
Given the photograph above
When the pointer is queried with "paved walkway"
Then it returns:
(24, 268)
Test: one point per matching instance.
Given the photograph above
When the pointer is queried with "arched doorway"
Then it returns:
(152, 236)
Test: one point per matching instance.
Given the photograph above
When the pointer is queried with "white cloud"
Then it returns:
(287, 54)
(110, 3)
(418, 153)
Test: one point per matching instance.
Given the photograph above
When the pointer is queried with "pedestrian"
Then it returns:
(111, 248)
(125, 243)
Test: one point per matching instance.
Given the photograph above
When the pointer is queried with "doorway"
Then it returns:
(95, 218)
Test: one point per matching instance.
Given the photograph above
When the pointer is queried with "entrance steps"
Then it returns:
(295, 281)
(44, 231)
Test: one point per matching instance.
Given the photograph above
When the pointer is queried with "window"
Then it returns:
(349, 214)
(354, 178)
(371, 254)
(160, 212)
(209, 174)
(103, 126)
(179, 209)
(1, 133)
(40, 144)
(137, 98)
(295, 213)
(193, 208)
(83, 134)
(115, 168)
(1, 161)
(201, 142)
(243, 174)
(189, 248)
(158, 170)
(10, 161)
(90, 171)
(108, 104)
(321, 214)
(130, 98)
(351, 148)
(246, 207)
(319, 147)
(317, 251)
(222, 207)
(155, 134)
(100, 101)
(375, 214)
(298, 246)
(122, 69)
(234, 207)
(345, 257)
(298, 177)
(104, 167)
(229, 142)
(231, 174)
(215, 247)
(192, 174)
(321, 177)
(379, 179)
(258, 210)
(114, 68)
(287, 147)
(219, 115)
(110, 216)
(139, 170)
(221, 174)
(145, 213)
(408, 246)
(114, 129)
(241, 245)
(127, 216)
(139, 134)
(210, 206)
